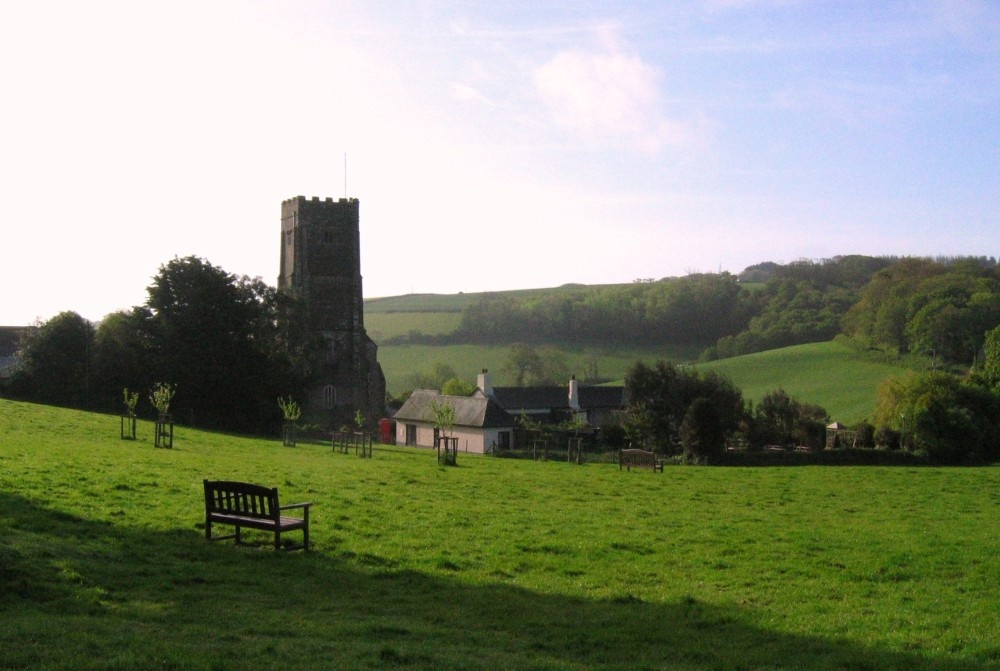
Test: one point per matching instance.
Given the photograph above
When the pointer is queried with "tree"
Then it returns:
(439, 374)
(991, 364)
(444, 422)
(659, 399)
(528, 366)
(56, 362)
(457, 387)
(121, 355)
(216, 336)
(702, 435)
(941, 309)
(941, 415)
(781, 419)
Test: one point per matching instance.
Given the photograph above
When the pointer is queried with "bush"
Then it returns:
(864, 435)
(886, 438)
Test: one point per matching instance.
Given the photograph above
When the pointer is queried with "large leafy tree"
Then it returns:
(942, 415)
(121, 357)
(659, 398)
(780, 419)
(215, 336)
(56, 362)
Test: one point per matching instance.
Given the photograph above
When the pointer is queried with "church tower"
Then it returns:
(321, 266)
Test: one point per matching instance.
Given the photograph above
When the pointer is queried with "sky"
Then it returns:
(492, 145)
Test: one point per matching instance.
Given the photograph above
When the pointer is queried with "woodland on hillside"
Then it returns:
(940, 308)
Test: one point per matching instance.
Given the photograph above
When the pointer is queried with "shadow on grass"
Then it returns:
(84, 594)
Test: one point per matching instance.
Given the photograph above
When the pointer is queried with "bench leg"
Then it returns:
(277, 539)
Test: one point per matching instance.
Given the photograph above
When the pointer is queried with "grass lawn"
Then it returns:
(494, 564)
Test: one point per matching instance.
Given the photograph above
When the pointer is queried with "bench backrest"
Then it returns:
(241, 498)
(635, 456)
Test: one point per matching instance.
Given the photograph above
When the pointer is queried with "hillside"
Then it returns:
(773, 326)
(830, 374)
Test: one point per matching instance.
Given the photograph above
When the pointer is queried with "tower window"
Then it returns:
(329, 396)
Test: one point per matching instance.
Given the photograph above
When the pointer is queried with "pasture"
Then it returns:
(494, 564)
(830, 374)
(400, 362)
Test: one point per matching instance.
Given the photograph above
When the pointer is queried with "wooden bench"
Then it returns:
(634, 458)
(242, 504)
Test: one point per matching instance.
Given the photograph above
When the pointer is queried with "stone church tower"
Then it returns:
(321, 265)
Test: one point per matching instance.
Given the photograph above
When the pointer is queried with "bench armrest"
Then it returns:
(295, 505)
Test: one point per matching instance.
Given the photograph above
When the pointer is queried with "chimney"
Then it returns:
(484, 383)
(574, 393)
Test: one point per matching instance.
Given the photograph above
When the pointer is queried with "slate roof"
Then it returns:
(515, 399)
(10, 338)
(474, 411)
(602, 397)
(7, 365)
(524, 398)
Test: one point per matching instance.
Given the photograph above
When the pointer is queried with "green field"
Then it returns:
(383, 325)
(495, 564)
(830, 374)
(400, 362)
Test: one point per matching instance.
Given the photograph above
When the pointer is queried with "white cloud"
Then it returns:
(608, 97)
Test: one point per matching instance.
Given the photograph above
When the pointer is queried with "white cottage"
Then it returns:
(481, 425)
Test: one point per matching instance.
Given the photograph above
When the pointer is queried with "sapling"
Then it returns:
(289, 408)
(160, 396)
(131, 399)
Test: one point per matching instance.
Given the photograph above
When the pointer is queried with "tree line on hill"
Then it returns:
(232, 345)
(936, 415)
(935, 307)
(229, 345)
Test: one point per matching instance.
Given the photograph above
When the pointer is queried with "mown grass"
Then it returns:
(495, 564)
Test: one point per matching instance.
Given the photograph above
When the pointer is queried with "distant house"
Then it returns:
(10, 338)
(554, 404)
(481, 425)
(485, 421)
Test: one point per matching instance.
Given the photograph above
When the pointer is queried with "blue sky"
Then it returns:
(493, 145)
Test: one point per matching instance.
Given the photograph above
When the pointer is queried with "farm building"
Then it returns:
(481, 425)
(485, 421)
(554, 404)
